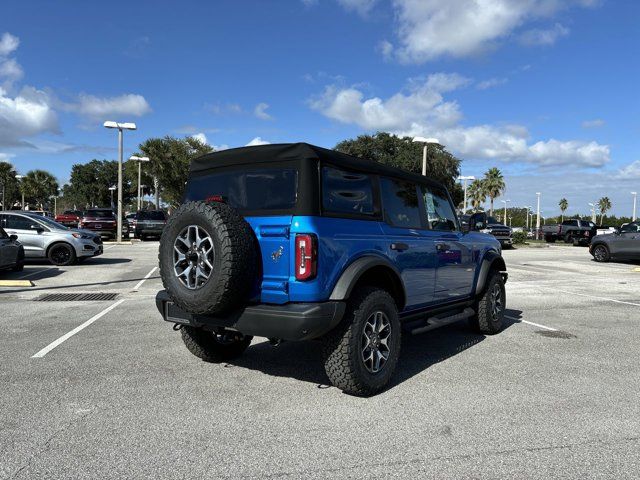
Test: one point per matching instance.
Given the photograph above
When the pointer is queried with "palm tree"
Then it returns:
(564, 204)
(8, 183)
(40, 185)
(494, 185)
(604, 204)
(477, 193)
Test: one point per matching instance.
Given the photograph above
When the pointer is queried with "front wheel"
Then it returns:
(62, 254)
(213, 347)
(490, 307)
(362, 352)
(601, 253)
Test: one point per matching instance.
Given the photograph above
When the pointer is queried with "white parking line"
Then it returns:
(531, 323)
(67, 336)
(146, 277)
(598, 298)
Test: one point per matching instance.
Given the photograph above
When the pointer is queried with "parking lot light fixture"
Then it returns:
(120, 127)
(505, 210)
(593, 212)
(538, 218)
(635, 200)
(139, 160)
(426, 142)
(465, 180)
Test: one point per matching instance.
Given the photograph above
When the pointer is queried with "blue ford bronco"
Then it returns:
(296, 242)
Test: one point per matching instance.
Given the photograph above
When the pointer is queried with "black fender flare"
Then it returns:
(491, 260)
(350, 276)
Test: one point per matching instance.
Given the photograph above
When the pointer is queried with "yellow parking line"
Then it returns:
(637, 269)
(16, 283)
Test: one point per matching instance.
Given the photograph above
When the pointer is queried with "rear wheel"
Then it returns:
(601, 253)
(213, 347)
(568, 238)
(549, 239)
(62, 254)
(361, 354)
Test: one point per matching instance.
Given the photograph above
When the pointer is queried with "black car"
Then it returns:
(148, 223)
(11, 252)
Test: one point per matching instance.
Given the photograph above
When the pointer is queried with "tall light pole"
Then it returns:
(21, 178)
(538, 218)
(120, 127)
(505, 210)
(593, 212)
(635, 199)
(465, 179)
(528, 212)
(426, 142)
(139, 160)
(111, 189)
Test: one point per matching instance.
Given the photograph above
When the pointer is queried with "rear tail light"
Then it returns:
(306, 256)
(559, 228)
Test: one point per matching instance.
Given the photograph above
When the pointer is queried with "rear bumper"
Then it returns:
(291, 321)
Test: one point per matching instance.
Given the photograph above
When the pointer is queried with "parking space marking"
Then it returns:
(598, 298)
(531, 323)
(70, 334)
(146, 277)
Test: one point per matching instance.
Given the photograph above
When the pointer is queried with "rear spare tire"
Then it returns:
(207, 258)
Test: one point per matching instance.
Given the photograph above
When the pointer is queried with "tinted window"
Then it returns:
(400, 203)
(631, 227)
(100, 213)
(440, 215)
(18, 222)
(346, 192)
(3, 234)
(151, 215)
(72, 212)
(250, 190)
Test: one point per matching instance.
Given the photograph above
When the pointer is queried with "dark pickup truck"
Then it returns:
(578, 232)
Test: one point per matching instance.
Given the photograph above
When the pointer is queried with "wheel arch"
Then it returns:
(59, 242)
(372, 271)
(491, 262)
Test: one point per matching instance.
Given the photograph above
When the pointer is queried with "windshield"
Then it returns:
(248, 190)
(72, 212)
(100, 213)
(492, 220)
(151, 215)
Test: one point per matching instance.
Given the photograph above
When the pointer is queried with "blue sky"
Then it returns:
(546, 90)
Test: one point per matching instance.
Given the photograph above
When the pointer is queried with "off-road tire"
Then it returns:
(234, 262)
(209, 347)
(484, 321)
(342, 350)
(549, 239)
(601, 253)
(61, 254)
(568, 238)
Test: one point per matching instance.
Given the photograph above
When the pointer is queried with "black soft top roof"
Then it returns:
(299, 151)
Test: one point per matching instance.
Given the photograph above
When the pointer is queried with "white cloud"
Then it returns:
(491, 83)
(429, 29)
(543, 37)
(8, 44)
(362, 7)
(261, 111)
(257, 141)
(6, 157)
(27, 114)
(423, 111)
(631, 171)
(98, 108)
(10, 71)
(200, 136)
(595, 123)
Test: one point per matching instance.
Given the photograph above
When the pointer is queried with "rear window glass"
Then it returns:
(346, 192)
(155, 215)
(100, 213)
(249, 190)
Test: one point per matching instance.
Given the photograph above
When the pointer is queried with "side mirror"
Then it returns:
(37, 228)
(13, 238)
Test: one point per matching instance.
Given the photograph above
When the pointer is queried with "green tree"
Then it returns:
(563, 204)
(39, 186)
(494, 185)
(477, 194)
(9, 186)
(169, 160)
(89, 184)
(404, 153)
(604, 204)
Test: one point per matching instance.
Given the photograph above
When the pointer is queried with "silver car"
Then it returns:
(624, 244)
(42, 237)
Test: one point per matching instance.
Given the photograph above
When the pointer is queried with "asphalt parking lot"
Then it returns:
(554, 395)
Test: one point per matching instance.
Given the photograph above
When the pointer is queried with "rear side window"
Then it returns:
(18, 222)
(248, 190)
(346, 192)
(100, 213)
(400, 203)
(440, 215)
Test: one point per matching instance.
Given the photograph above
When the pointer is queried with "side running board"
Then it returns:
(435, 322)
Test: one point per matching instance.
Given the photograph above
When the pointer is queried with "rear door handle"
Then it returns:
(442, 247)
(399, 246)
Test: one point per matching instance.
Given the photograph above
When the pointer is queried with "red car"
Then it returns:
(69, 218)
(103, 222)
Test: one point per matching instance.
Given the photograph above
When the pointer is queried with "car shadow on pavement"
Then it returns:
(80, 285)
(105, 261)
(301, 360)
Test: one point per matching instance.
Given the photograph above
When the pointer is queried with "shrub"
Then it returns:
(519, 238)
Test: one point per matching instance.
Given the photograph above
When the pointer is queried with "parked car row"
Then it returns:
(578, 232)
(103, 221)
(623, 244)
